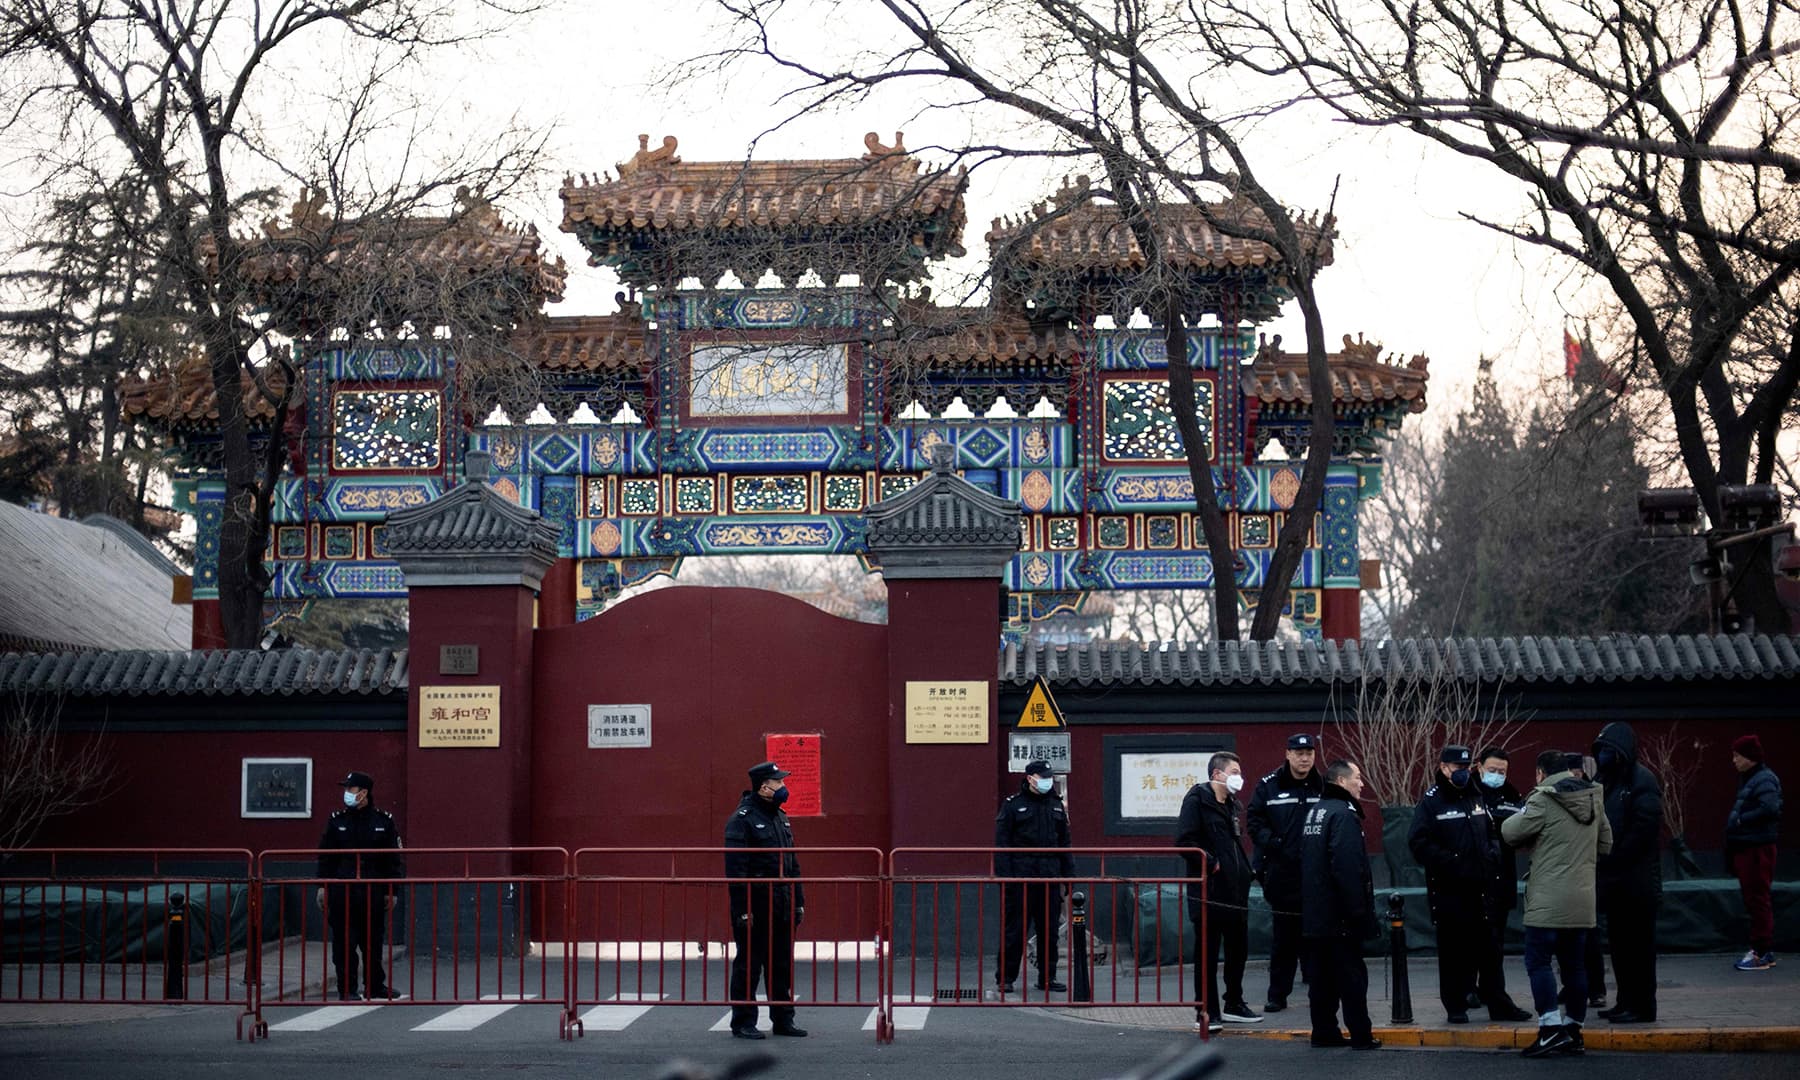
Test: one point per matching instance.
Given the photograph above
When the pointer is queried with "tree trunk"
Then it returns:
(1291, 544)
(1194, 447)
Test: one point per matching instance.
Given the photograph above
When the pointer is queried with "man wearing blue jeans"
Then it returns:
(1564, 827)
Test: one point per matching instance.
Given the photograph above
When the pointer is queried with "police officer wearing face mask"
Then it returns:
(1454, 839)
(357, 914)
(1276, 817)
(767, 907)
(1033, 818)
(1503, 801)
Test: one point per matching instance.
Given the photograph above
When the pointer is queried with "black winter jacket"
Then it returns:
(1276, 816)
(1454, 839)
(1029, 820)
(1340, 890)
(1216, 829)
(1503, 802)
(363, 827)
(1634, 810)
(755, 827)
(1756, 814)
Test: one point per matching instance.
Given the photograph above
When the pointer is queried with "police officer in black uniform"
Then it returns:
(1454, 839)
(357, 914)
(1034, 817)
(1340, 911)
(765, 909)
(1277, 814)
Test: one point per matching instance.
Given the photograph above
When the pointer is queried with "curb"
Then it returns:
(1660, 1040)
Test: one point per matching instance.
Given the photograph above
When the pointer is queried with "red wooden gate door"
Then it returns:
(710, 676)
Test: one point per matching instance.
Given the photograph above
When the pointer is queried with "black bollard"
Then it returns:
(1402, 1013)
(1081, 987)
(175, 949)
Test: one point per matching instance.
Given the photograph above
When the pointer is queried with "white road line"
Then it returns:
(320, 1019)
(470, 1017)
(724, 1023)
(619, 1017)
(907, 1017)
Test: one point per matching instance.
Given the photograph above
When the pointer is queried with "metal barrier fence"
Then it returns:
(664, 925)
(459, 928)
(961, 918)
(605, 930)
(112, 926)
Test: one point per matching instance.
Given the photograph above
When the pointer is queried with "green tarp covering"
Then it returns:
(67, 924)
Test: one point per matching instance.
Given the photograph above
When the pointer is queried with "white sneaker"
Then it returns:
(1215, 1026)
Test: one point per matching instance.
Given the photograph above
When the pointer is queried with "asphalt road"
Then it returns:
(397, 1043)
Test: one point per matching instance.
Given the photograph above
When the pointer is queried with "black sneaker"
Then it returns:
(747, 1033)
(1550, 1040)
(385, 993)
(350, 995)
(1054, 987)
(1237, 1012)
(1575, 1046)
(1457, 1017)
(790, 1031)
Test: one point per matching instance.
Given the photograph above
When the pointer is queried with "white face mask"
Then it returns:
(350, 799)
(1234, 783)
(1043, 784)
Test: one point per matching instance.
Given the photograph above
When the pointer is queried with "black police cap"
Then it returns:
(765, 770)
(1302, 742)
(1456, 755)
(358, 779)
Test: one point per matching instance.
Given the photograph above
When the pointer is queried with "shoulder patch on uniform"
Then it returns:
(1430, 791)
(743, 813)
(1271, 776)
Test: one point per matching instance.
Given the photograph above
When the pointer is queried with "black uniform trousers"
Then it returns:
(765, 954)
(1468, 956)
(357, 916)
(1228, 936)
(1040, 904)
(1338, 978)
(1285, 951)
(1631, 937)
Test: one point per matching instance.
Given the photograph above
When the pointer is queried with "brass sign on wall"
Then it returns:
(947, 712)
(459, 716)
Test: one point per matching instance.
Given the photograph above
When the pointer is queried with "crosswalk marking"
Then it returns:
(619, 1017)
(320, 1019)
(470, 1017)
(907, 1016)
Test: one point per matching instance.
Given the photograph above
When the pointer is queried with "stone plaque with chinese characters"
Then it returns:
(459, 716)
(947, 712)
(1153, 785)
(459, 659)
(742, 380)
(618, 727)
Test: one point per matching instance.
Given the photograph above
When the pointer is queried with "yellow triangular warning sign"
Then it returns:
(1040, 708)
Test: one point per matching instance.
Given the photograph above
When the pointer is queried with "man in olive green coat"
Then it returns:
(1564, 826)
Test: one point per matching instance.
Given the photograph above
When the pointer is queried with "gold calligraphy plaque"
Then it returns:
(459, 716)
(947, 712)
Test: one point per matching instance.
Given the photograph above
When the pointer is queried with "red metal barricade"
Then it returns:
(464, 926)
(950, 914)
(97, 925)
(655, 925)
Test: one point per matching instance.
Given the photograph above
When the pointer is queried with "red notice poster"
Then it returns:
(799, 755)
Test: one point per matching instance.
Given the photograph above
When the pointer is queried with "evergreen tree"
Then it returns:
(1534, 529)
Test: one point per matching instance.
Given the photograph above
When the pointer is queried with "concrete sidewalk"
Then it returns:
(1702, 1004)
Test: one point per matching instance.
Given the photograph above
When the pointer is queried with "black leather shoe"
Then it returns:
(1054, 987)
(1626, 1016)
(1274, 1005)
(1457, 1017)
(1507, 1013)
(1597, 1001)
(1372, 1044)
(747, 1033)
(1474, 999)
(790, 1031)
(1329, 1044)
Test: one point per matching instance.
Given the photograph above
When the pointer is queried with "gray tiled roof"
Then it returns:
(1619, 658)
(210, 672)
(74, 585)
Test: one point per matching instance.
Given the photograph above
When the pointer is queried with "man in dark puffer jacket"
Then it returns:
(1630, 876)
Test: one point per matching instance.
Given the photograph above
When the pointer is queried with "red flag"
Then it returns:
(1571, 355)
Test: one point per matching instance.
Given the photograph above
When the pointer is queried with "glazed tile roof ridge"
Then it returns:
(656, 189)
(207, 672)
(181, 395)
(1605, 658)
(1092, 235)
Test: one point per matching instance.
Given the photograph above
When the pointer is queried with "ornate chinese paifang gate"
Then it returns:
(701, 420)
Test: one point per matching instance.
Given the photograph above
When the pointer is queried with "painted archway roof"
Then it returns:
(1096, 236)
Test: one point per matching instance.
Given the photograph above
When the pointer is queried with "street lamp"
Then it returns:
(1748, 515)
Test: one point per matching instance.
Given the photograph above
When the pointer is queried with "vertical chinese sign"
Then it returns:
(800, 755)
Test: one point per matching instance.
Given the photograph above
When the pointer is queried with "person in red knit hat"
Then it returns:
(1750, 834)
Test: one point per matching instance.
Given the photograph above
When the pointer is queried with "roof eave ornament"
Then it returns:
(646, 158)
(880, 152)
